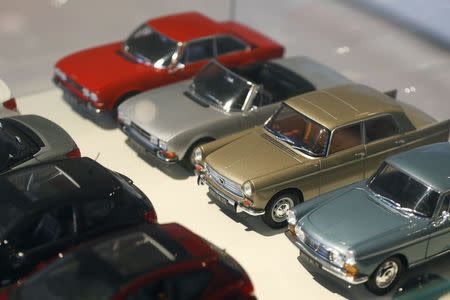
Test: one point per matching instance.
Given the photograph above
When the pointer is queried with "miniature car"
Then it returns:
(161, 51)
(144, 262)
(48, 208)
(29, 139)
(171, 121)
(8, 105)
(373, 231)
(314, 143)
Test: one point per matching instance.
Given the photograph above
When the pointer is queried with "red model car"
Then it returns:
(161, 51)
(140, 263)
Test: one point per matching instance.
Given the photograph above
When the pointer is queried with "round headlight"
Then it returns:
(291, 217)
(336, 258)
(300, 233)
(162, 145)
(247, 189)
(93, 97)
(198, 154)
(86, 92)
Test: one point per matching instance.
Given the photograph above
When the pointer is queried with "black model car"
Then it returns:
(48, 208)
(29, 139)
(146, 262)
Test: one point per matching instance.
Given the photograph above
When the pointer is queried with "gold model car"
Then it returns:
(314, 143)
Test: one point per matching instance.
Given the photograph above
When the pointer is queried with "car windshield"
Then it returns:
(403, 191)
(148, 45)
(15, 146)
(218, 86)
(97, 272)
(299, 131)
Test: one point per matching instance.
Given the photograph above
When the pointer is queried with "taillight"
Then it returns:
(74, 153)
(10, 104)
(151, 216)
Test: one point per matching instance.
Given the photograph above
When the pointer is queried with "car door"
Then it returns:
(43, 236)
(382, 138)
(195, 55)
(344, 163)
(440, 230)
(231, 51)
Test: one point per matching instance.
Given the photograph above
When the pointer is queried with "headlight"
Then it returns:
(162, 145)
(291, 217)
(336, 258)
(85, 92)
(93, 97)
(247, 189)
(60, 74)
(300, 233)
(198, 154)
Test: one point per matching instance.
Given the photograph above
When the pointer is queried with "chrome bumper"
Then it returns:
(219, 193)
(145, 143)
(325, 265)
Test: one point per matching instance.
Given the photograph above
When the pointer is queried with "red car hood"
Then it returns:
(96, 68)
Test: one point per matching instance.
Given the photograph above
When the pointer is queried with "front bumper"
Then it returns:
(325, 265)
(225, 197)
(73, 97)
(143, 141)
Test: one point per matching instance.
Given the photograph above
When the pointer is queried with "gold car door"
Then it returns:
(344, 163)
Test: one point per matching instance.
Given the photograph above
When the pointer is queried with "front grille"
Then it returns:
(140, 130)
(317, 247)
(224, 182)
(75, 85)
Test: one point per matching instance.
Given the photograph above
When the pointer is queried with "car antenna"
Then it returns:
(96, 157)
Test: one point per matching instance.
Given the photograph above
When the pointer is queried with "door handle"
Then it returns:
(400, 142)
(360, 154)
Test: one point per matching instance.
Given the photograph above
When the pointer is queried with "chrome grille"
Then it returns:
(75, 85)
(224, 182)
(317, 247)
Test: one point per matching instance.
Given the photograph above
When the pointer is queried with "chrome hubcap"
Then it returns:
(280, 209)
(386, 274)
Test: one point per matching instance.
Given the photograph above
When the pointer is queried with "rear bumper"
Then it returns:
(325, 265)
(150, 148)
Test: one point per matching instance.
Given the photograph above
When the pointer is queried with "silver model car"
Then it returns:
(171, 121)
(8, 105)
(28, 139)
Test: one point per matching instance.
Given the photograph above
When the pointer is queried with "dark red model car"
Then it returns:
(161, 51)
(141, 263)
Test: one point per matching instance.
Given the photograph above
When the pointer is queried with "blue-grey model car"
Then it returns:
(372, 231)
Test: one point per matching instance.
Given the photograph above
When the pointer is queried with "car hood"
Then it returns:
(254, 155)
(167, 112)
(98, 67)
(353, 218)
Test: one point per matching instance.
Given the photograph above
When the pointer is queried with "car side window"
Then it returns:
(380, 128)
(186, 286)
(46, 228)
(199, 50)
(446, 204)
(262, 99)
(227, 44)
(97, 212)
(345, 138)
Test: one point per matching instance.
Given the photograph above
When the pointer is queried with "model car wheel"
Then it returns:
(276, 209)
(386, 276)
(188, 159)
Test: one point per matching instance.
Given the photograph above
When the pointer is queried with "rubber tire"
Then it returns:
(371, 285)
(267, 217)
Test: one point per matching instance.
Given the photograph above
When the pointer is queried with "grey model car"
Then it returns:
(372, 231)
(28, 139)
(170, 121)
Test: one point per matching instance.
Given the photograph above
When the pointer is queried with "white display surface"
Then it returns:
(362, 47)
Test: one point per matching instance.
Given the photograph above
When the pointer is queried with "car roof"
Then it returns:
(89, 180)
(184, 27)
(321, 76)
(430, 164)
(343, 104)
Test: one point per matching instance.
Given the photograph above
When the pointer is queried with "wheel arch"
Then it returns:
(289, 190)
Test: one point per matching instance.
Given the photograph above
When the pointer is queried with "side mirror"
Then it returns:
(444, 217)
(254, 108)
